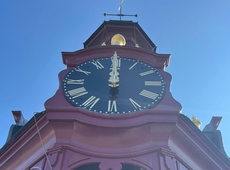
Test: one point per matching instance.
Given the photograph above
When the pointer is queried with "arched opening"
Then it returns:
(94, 166)
(131, 167)
(35, 168)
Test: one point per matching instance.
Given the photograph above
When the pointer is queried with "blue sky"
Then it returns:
(195, 33)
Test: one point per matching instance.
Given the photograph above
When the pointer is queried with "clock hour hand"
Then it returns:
(114, 75)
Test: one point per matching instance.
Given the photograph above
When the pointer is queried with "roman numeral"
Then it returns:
(133, 65)
(119, 63)
(116, 62)
(153, 83)
(90, 102)
(97, 64)
(148, 94)
(77, 92)
(147, 73)
(135, 104)
(112, 106)
(80, 70)
(72, 81)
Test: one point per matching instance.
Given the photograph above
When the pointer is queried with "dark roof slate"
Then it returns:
(205, 138)
(20, 131)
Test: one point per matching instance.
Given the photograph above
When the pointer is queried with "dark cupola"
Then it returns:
(123, 33)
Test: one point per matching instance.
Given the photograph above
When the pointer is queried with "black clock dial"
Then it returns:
(114, 85)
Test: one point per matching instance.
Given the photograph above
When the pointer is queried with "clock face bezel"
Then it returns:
(83, 86)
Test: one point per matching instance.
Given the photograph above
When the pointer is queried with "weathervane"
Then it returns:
(120, 10)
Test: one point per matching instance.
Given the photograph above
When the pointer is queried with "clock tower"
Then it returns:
(115, 99)
(113, 110)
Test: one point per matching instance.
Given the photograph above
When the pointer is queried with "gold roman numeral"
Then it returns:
(147, 73)
(77, 92)
(90, 102)
(153, 83)
(135, 104)
(148, 94)
(112, 106)
(82, 71)
(97, 64)
(133, 65)
(72, 81)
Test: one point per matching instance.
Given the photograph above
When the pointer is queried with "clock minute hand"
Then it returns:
(114, 79)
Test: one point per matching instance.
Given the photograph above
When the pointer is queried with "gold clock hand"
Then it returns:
(114, 75)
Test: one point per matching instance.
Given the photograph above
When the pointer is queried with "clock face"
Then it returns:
(114, 85)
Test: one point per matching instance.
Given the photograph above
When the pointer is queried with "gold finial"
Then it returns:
(197, 122)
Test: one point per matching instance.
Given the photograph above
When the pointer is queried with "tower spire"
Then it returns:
(120, 10)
